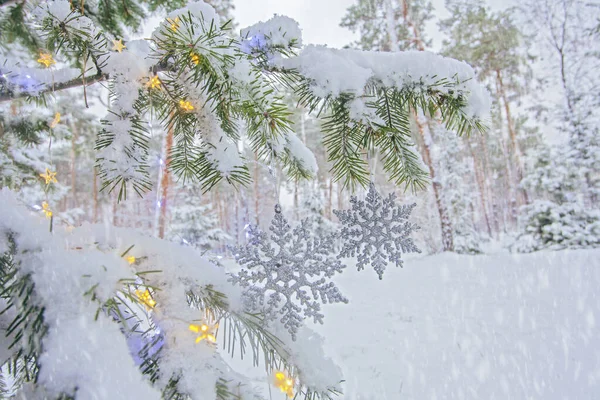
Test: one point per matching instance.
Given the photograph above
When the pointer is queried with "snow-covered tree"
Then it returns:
(193, 221)
(566, 175)
(494, 43)
(459, 195)
(378, 23)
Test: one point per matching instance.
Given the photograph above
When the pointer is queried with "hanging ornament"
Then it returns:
(145, 298)
(284, 382)
(205, 331)
(377, 231)
(46, 59)
(46, 209)
(55, 121)
(186, 105)
(291, 266)
(49, 177)
(118, 45)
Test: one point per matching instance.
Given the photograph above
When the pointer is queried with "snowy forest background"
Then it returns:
(530, 183)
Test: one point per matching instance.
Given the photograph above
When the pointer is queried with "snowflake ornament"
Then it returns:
(290, 268)
(377, 230)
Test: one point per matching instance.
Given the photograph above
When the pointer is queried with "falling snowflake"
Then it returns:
(283, 266)
(377, 230)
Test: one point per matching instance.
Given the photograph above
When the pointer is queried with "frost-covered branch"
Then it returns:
(137, 306)
(215, 89)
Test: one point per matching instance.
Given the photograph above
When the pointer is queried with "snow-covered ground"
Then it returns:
(450, 326)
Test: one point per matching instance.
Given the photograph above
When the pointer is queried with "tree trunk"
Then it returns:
(164, 184)
(73, 164)
(95, 194)
(445, 223)
(480, 178)
(514, 143)
(418, 42)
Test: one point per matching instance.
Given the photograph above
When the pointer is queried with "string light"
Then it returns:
(195, 58)
(145, 298)
(46, 59)
(55, 121)
(118, 45)
(153, 83)
(186, 105)
(205, 331)
(285, 383)
(130, 259)
(174, 23)
(49, 176)
(46, 209)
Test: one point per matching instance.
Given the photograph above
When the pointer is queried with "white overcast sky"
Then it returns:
(320, 19)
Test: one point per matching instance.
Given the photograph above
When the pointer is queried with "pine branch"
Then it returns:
(4, 3)
(77, 82)
(27, 328)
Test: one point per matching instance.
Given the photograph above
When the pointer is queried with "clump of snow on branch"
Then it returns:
(277, 31)
(122, 157)
(33, 81)
(203, 16)
(200, 10)
(224, 156)
(359, 110)
(60, 12)
(74, 337)
(221, 151)
(133, 63)
(313, 366)
(301, 153)
(334, 71)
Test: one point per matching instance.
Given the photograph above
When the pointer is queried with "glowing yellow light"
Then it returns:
(130, 259)
(145, 298)
(205, 332)
(285, 383)
(55, 121)
(173, 23)
(46, 59)
(195, 58)
(49, 176)
(185, 105)
(118, 45)
(153, 83)
(46, 209)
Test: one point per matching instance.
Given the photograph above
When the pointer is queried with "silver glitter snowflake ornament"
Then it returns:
(290, 268)
(377, 230)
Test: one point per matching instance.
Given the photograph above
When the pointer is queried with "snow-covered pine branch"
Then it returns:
(216, 89)
(89, 306)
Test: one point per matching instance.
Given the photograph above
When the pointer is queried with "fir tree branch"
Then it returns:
(77, 82)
